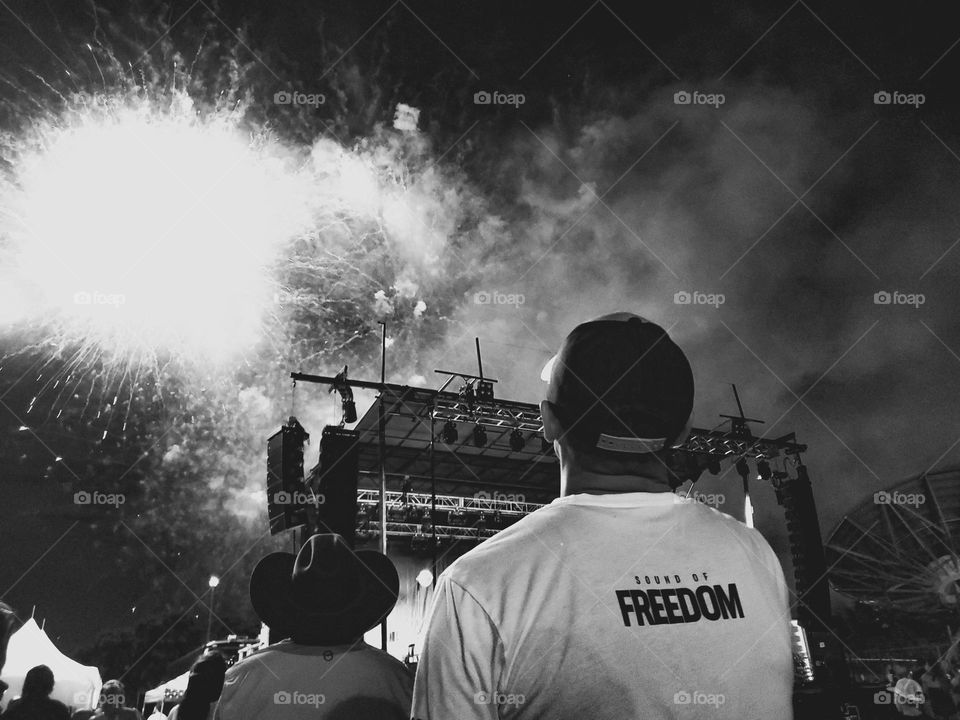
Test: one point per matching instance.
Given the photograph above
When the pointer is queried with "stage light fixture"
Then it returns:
(449, 433)
(424, 579)
(479, 435)
(743, 470)
(516, 440)
(485, 391)
(763, 470)
(713, 465)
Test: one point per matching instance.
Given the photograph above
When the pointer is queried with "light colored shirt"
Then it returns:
(634, 605)
(320, 683)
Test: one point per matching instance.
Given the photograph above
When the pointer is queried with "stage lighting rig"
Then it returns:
(763, 470)
(517, 440)
(479, 435)
(484, 392)
(449, 433)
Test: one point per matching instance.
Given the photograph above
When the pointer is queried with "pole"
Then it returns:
(383, 463)
(433, 500)
(213, 591)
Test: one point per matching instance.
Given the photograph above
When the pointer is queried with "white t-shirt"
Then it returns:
(294, 681)
(635, 605)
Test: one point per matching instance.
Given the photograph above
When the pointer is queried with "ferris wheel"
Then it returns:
(899, 548)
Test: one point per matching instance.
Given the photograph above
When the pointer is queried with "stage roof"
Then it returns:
(460, 468)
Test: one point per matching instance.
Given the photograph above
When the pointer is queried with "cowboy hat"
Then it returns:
(327, 594)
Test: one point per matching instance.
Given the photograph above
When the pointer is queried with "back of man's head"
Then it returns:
(622, 391)
(38, 682)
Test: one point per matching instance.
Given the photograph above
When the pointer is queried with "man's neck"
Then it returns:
(574, 481)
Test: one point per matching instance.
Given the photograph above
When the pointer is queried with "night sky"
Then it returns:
(786, 193)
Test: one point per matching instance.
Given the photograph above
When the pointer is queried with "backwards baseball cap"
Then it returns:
(620, 384)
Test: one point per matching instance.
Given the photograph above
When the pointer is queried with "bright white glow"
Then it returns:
(214, 581)
(748, 511)
(424, 578)
(143, 229)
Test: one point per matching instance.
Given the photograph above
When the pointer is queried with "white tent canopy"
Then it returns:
(170, 691)
(76, 686)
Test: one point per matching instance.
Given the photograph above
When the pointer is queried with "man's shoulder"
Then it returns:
(516, 542)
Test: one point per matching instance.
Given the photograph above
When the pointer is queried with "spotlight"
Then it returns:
(424, 578)
(763, 469)
(713, 465)
(516, 440)
(485, 391)
(467, 395)
(213, 582)
(743, 470)
(479, 435)
(449, 433)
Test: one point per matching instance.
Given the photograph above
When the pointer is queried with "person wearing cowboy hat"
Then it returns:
(323, 599)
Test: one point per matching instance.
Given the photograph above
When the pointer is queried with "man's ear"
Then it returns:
(551, 424)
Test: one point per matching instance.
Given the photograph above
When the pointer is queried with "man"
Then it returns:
(7, 619)
(620, 599)
(203, 687)
(113, 703)
(325, 598)
(35, 702)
